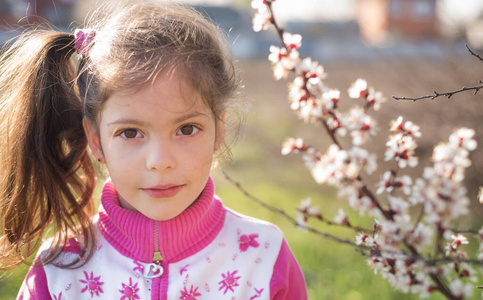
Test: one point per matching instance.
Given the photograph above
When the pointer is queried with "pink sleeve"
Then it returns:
(34, 285)
(287, 280)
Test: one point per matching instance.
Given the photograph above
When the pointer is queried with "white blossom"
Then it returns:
(468, 271)
(463, 137)
(420, 237)
(283, 61)
(331, 167)
(262, 20)
(407, 128)
(375, 98)
(293, 145)
(459, 239)
(401, 148)
(461, 290)
(297, 94)
(388, 183)
(364, 239)
(397, 205)
(292, 41)
(362, 159)
(385, 183)
(341, 217)
(423, 286)
(308, 68)
(301, 221)
(360, 124)
(260, 6)
(358, 89)
(330, 99)
(363, 204)
(305, 204)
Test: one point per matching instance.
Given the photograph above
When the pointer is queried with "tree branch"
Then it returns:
(447, 94)
(473, 53)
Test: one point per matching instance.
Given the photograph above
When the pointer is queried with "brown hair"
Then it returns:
(46, 175)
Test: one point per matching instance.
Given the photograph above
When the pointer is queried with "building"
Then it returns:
(21, 12)
(412, 19)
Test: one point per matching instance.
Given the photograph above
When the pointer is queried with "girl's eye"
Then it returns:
(130, 134)
(188, 130)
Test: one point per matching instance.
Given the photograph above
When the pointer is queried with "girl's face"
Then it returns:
(158, 146)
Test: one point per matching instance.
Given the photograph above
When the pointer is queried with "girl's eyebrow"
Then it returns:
(126, 121)
(190, 115)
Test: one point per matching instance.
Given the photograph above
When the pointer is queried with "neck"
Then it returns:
(138, 237)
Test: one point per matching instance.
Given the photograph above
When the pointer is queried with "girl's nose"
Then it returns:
(160, 158)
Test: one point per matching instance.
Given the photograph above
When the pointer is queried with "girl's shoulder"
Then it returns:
(61, 254)
(71, 252)
(249, 229)
(234, 216)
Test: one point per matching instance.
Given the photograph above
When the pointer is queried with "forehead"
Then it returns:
(167, 94)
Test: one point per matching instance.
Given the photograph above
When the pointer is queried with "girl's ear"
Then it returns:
(220, 131)
(93, 140)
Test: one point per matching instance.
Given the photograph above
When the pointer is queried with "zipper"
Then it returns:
(154, 269)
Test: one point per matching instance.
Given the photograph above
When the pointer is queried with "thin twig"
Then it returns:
(274, 22)
(287, 216)
(473, 53)
(446, 94)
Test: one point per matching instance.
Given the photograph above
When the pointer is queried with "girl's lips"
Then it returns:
(163, 192)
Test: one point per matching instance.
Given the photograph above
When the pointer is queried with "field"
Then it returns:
(332, 270)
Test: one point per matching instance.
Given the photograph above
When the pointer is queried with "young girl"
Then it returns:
(147, 89)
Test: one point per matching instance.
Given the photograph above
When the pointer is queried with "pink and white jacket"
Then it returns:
(207, 252)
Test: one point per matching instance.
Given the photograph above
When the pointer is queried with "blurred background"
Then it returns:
(402, 47)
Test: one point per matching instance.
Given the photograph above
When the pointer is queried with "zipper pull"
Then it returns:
(157, 256)
(153, 270)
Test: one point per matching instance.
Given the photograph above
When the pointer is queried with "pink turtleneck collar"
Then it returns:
(132, 233)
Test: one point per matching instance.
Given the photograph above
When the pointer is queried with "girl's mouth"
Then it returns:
(165, 191)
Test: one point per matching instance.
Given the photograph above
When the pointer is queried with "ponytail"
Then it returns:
(46, 176)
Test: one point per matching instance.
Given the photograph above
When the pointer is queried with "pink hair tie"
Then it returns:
(83, 39)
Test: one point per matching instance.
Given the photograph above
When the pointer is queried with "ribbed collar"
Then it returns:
(132, 233)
